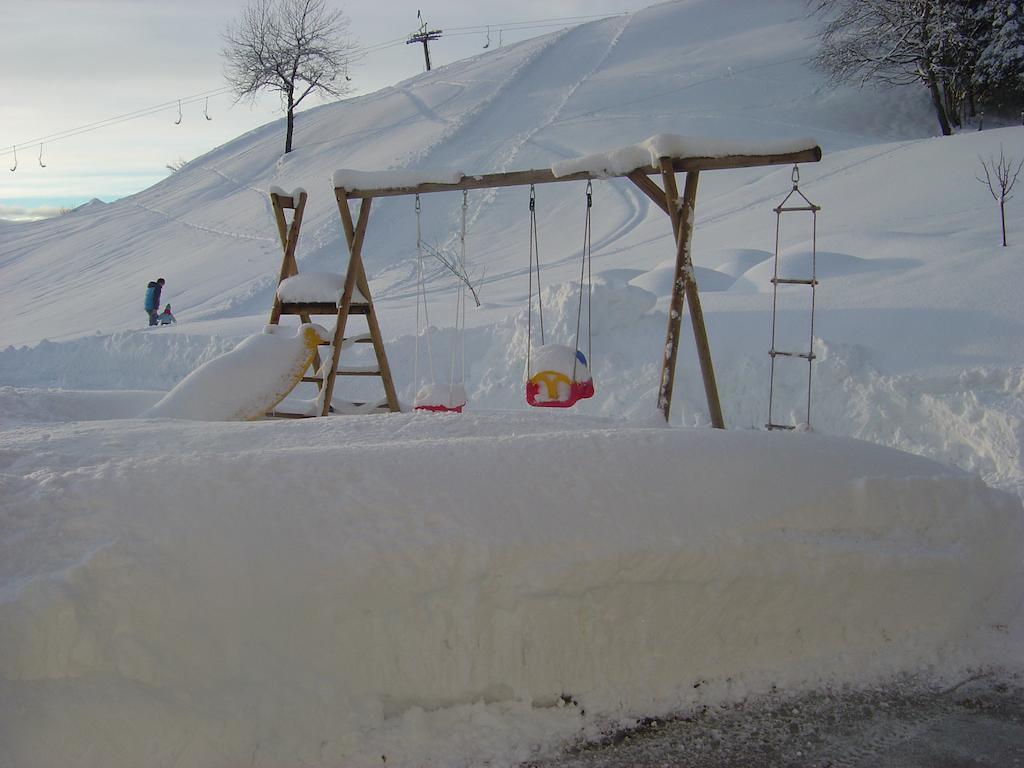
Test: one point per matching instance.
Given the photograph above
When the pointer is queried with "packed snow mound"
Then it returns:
(659, 280)
(328, 593)
(246, 382)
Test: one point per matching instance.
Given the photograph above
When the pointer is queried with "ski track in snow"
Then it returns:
(238, 184)
(637, 207)
(200, 227)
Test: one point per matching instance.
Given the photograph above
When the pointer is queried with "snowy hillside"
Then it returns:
(681, 68)
(330, 591)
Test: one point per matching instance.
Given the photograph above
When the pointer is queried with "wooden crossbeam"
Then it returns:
(546, 176)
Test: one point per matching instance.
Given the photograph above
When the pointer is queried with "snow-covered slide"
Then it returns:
(246, 382)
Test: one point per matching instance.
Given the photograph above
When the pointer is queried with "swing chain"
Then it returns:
(795, 176)
(417, 203)
(585, 275)
(533, 199)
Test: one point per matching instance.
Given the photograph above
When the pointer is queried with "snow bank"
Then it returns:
(246, 382)
(620, 161)
(156, 358)
(331, 597)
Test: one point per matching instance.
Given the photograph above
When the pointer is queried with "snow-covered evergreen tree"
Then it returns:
(892, 42)
(999, 69)
(965, 52)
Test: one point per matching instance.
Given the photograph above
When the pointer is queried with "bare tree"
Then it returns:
(294, 47)
(892, 42)
(1001, 175)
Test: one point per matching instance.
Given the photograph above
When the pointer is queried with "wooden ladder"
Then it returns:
(355, 300)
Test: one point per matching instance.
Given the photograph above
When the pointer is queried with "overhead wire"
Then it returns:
(360, 54)
(117, 119)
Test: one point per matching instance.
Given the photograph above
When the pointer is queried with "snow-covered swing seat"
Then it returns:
(435, 396)
(558, 376)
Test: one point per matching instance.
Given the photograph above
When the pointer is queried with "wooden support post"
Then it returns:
(354, 236)
(682, 214)
(652, 190)
(289, 240)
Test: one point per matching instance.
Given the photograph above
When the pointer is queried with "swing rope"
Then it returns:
(586, 281)
(421, 297)
(534, 260)
(585, 267)
(460, 304)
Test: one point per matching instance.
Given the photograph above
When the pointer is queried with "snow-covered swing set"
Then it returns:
(664, 155)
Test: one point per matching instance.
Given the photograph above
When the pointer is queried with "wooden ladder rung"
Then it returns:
(321, 308)
(769, 425)
(793, 281)
(804, 355)
(358, 372)
(364, 338)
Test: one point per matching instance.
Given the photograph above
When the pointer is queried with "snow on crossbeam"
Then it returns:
(315, 287)
(647, 154)
(686, 155)
(346, 178)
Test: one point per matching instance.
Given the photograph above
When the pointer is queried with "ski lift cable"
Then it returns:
(359, 55)
(118, 119)
(553, 20)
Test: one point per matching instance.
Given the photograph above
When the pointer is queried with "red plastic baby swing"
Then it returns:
(557, 376)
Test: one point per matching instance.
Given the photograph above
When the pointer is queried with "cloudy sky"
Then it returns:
(116, 69)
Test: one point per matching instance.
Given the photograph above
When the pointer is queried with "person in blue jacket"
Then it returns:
(153, 299)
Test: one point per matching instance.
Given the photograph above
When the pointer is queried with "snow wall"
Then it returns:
(236, 603)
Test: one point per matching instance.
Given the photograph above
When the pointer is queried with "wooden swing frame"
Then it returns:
(680, 210)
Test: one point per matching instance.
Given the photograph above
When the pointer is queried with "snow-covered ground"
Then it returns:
(427, 588)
